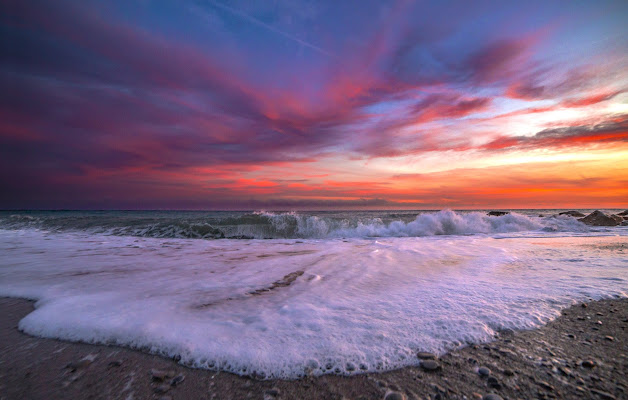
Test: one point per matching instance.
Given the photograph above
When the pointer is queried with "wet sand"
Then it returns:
(581, 354)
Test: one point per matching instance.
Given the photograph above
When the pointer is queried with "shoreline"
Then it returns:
(581, 354)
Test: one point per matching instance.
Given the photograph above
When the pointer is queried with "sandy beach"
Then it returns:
(581, 354)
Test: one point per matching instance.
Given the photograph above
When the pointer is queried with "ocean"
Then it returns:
(289, 294)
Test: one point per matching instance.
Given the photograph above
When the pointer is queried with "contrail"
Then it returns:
(269, 27)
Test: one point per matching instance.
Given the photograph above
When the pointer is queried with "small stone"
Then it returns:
(115, 363)
(165, 398)
(603, 395)
(272, 392)
(565, 371)
(545, 385)
(423, 355)
(439, 389)
(430, 365)
(73, 366)
(584, 305)
(609, 338)
(161, 389)
(159, 375)
(492, 396)
(588, 363)
(509, 372)
(395, 396)
(483, 371)
(599, 322)
(177, 380)
(492, 382)
(571, 336)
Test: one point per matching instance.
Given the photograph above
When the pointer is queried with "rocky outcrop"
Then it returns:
(623, 213)
(572, 213)
(598, 218)
(497, 213)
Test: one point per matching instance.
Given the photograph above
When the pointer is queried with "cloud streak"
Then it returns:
(102, 92)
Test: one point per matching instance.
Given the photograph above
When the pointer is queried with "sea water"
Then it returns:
(290, 294)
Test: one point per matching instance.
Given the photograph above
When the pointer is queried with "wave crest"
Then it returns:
(270, 225)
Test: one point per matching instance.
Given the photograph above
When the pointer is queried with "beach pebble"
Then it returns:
(492, 396)
(395, 396)
(73, 366)
(545, 385)
(115, 363)
(272, 392)
(609, 338)
(483, 371)
(163, 388)
(603, 395)
(159, 375)
(588, 363)
(565, 371)
(493, 382)
(509, 372)
(426, 356)
(177, 380)
(430, 365)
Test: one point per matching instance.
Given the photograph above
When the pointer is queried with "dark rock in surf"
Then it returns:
(497, 213)
(572, 213)
(430, 365)
(423, 355)
(598, 218)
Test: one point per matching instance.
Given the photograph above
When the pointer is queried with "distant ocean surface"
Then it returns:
(286, 294)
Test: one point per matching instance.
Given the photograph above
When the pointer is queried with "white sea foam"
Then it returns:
(284, 308)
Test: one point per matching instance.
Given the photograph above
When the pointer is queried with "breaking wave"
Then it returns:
(269, 225)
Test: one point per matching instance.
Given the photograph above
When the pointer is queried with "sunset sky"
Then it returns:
(294, 104)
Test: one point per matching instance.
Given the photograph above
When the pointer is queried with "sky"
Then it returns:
(297, 104)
